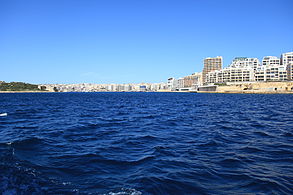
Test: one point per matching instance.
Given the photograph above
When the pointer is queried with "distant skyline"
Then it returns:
(113, 41)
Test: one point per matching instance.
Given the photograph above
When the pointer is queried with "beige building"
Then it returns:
(211, 64)
(192, 80)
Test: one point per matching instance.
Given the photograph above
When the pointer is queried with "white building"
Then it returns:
(287, 58)
(270, 60)
(271, 73)
(180, 83)
(244, 69)
(244, 74)
(244, 62)
(274, 69)
(290, 71)
(170, 83)
(240, 70)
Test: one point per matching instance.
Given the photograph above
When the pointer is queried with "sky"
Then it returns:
(133, 41)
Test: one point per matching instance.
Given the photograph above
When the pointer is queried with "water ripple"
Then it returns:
(146, 143)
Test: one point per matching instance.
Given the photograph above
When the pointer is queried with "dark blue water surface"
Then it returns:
(146, 143)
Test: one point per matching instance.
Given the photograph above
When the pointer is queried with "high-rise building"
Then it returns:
(211, 64)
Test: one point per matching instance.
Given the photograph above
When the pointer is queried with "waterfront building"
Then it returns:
(170, 83)
(271, 73)
(270, 60)
(243, 69)
(193, 80)
(286, 58)
(197, 78)
(142, 88)
(260, 74)
(290, 71)
(229, 74)
(180, 83)
(287, 61)
(240, 70)
(211, 64)
(272, 69)
(244, 62)
(186, 83)
(276, 73)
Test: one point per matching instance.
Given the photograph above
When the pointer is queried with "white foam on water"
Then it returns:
(3, 114)
(66, 183)
(125, 191)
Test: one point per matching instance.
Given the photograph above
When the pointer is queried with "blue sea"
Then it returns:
(146, 143)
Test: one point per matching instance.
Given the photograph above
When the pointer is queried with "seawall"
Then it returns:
(255, 87)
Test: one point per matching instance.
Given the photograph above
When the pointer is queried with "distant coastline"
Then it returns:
(285, 87)
(214, 92)
(21, 87)
(218, 92)
(25, 91)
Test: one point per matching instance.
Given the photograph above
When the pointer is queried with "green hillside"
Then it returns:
(18, 86)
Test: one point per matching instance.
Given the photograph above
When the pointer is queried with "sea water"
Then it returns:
(146, 143)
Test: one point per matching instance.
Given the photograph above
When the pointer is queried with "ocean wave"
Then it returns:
(146, 143)
(95, 158)
(26, 142)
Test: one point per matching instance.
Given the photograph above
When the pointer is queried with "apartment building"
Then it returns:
(286, 58)
(170, 83)
(231, 75)
(192, 80)
(240, 70)
(243, 69)
(244, 62)
(272, 69)
(290, 71)
(271, 73)
(211, 64)
(270, 60)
